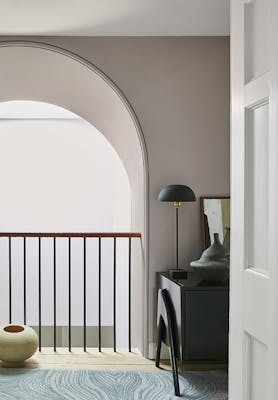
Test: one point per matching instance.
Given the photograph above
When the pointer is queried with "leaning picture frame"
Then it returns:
(218, 217)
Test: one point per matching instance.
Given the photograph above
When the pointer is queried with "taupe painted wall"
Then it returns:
(179, 88)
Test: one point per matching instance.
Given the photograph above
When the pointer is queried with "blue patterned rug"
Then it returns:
(39, 384)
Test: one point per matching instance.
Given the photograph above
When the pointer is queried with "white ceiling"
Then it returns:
(114, 17)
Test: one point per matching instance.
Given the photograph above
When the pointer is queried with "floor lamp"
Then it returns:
(177, 194)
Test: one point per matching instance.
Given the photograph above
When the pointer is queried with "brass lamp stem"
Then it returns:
(177, 205)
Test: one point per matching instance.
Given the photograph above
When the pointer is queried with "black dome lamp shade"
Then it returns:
(177, 194)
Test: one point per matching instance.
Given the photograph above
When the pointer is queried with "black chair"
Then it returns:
(167, 332)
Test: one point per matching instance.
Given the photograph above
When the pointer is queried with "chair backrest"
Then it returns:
(166, 311)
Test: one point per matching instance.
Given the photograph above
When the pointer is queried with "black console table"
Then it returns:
(202, 317)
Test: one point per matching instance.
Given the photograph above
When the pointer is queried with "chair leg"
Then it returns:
(159, 341)
(174, 363)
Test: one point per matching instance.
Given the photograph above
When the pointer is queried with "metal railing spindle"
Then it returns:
(85, 296)
(129, 294)
(69, 289)
(10, 280)
(99, 293)
(40, 305)
(24, 280)
(54, 296)
(114, 293)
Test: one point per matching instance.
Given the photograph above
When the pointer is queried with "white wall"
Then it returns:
(62, 175)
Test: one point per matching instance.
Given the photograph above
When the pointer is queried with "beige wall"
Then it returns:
(179, 88)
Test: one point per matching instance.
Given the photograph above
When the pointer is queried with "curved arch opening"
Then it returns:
(64, 176)
(78, 86)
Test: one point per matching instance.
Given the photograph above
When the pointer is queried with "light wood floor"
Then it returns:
(107, 360)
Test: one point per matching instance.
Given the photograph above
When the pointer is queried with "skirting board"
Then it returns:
(164, 351)
(92, 339)
(76, 336)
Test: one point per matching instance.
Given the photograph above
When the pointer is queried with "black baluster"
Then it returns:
(114, 294)
(99, 293)
(10, 280)
(24, 280)
(129, 294)
(54, 295)
(84, 293)
(69, 327)
(40, 305)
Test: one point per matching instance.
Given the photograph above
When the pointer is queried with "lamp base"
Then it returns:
(177, 273)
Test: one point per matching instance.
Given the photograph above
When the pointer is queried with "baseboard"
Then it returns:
(164, 351)
(62, 334)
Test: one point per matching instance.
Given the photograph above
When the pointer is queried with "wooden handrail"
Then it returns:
(73, 234)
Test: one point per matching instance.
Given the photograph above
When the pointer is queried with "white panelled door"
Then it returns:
(253, 366)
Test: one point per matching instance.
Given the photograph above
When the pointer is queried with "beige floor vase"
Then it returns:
(17, 344)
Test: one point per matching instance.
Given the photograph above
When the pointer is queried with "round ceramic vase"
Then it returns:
(213, 266)
(17, 344)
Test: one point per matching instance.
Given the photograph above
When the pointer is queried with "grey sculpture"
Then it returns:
(214, 262)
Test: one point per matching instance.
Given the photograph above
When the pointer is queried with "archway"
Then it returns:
(38, 72)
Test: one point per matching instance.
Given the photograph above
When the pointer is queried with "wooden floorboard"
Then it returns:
(106, 360)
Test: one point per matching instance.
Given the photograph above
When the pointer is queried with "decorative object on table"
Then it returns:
(17, 344)
(214, 262)
(215, 218)
(177, 194)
